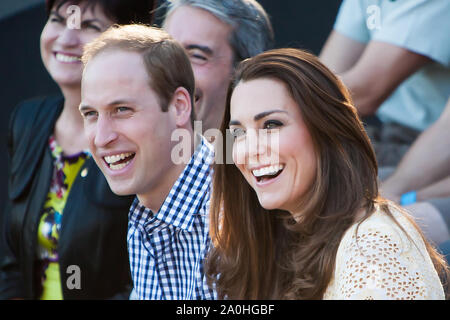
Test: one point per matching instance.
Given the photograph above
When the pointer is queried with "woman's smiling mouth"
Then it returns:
(268, 172)
(67, 58)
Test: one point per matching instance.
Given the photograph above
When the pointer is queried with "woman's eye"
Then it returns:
(272, 124)
(56, 19)
(237, 132)
(92, 27)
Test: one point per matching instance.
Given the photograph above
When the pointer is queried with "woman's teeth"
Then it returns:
(268, 171)
(65, 58)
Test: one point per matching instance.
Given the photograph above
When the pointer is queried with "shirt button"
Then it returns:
(84, 172)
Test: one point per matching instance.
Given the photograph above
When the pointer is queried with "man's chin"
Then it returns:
(119, 188)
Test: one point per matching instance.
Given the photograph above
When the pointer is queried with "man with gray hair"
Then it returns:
(217, 36)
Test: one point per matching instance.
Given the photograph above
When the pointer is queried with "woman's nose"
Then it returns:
(69, 37)
(250, 150)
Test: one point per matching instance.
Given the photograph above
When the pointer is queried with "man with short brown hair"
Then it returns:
(137, 91)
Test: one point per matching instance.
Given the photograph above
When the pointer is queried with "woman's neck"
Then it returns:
(69, 126)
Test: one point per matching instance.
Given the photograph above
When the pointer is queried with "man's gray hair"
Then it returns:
(252, 31)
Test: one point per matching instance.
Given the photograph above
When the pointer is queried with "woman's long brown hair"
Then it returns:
(266, 254)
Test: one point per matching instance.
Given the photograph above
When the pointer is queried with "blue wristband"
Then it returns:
(408, 198)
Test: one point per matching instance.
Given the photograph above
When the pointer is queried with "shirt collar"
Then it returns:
(187, 194)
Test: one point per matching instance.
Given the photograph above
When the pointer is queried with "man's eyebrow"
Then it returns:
(119, 102)
(111, 104)
(84, 107)
(234, 123)
(205, 49)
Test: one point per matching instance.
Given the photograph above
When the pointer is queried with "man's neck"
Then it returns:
(155, 198)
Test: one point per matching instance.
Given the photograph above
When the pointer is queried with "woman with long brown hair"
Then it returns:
(299, 216)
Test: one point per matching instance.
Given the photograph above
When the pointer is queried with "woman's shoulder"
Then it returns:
(28, 110)
(32, 117)
(383, 258)
(32, 121)
(382, 228)
(30, 126)
(386, 234)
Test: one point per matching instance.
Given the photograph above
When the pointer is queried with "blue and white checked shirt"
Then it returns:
(167, 249)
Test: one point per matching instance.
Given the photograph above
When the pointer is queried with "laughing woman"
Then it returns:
(65, 231)
(300, 217)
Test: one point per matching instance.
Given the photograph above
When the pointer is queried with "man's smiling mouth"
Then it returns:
(119, 161)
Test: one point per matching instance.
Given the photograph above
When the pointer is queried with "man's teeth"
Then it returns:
(117, 157)
(112, 161)
(118, 166)
(64, 58)
(268, 171)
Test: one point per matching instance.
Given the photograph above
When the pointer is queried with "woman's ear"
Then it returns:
(182, 107)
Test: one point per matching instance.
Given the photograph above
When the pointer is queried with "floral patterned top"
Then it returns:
(65, 171)
(382, 262)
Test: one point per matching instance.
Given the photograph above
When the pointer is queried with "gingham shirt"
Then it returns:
(167, 249)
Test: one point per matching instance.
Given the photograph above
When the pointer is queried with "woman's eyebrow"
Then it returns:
(56, 13)
(261, 115)
(93, 20)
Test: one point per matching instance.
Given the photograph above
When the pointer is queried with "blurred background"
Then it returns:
(300, 24)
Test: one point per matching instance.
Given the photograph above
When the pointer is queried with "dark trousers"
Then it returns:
(390, 140)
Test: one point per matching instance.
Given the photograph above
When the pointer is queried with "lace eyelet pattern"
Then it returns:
(381, 262)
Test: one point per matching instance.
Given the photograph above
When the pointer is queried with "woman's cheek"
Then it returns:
(238, 154)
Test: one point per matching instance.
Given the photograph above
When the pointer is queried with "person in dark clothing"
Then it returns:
(64, 233)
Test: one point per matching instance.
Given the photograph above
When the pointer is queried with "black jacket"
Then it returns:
(94, 222)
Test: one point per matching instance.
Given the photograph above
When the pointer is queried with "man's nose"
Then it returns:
(105, 132)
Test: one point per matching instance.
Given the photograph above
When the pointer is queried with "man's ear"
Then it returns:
(182, 107)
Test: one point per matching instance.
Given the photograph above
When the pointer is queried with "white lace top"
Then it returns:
(382, 263)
